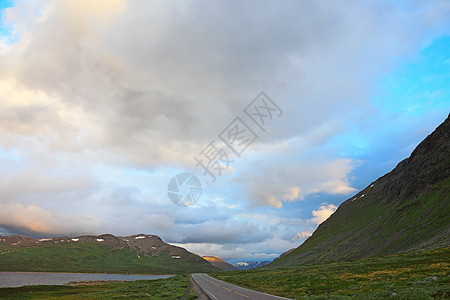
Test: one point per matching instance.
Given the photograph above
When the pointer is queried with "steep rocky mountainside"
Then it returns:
(404, 210)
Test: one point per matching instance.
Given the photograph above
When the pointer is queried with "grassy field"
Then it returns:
(419, 275)
(94, 258)
(172, 288)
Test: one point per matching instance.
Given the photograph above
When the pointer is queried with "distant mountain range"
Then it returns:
(136, 254)
(405, 210)
(248, 265)
(220, 263)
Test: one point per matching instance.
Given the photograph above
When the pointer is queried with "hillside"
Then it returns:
(220, 263)
(284, 253)
(406, 209)
(137, 254)
(415, 275)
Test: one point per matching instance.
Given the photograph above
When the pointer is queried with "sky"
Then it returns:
(281, 110)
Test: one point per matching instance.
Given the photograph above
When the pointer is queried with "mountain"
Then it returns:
(248, 265)
(136, 254)
(404, 210)
(219, 263)
(284, 253)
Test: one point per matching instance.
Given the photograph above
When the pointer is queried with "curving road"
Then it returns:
(220, 290)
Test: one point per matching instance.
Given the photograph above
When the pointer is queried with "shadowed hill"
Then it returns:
(406, 209)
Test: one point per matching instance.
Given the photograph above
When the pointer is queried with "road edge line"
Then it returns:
(199, 288)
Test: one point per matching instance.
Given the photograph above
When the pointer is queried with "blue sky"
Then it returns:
(5, 30)
(102, 103)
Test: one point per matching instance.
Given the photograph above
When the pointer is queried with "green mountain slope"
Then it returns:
(406, 209)
(138, 254)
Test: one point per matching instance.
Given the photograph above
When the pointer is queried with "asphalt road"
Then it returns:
(221, 290)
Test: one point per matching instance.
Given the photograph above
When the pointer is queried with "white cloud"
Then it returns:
(207, 249)
(323, 213)
(32, 219)
(277, 180)
(302, 235)
(153, 104)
